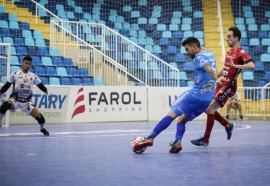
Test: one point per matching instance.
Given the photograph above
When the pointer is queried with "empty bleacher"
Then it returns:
(25, 41)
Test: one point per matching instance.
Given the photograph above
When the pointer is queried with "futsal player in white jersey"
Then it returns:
(20, 98)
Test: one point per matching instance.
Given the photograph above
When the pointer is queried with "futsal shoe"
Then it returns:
(200, 142)
(145, 142)
(229, 130)
(45, 132)
(176, 146)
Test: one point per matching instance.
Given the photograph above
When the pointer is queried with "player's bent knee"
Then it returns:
(40, 119)
(5, 106)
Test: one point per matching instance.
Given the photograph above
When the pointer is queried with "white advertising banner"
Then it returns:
(107, 103)
(86, 104)
(53, 110)
(160, 100)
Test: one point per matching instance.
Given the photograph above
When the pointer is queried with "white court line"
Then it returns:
(99, 133)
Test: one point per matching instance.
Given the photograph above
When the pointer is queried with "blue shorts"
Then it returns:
(189, 105)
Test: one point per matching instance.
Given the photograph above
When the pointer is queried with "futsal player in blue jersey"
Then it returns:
(194, 101)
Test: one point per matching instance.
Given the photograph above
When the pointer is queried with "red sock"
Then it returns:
(209, 126)
(221, 120)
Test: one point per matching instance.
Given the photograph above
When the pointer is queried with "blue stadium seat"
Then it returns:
(40, 70)
(67, 62)
(83, 72)
(32, 51)
(171, 49)
(54, 81)
(14, 68)
(167, 34)
(190, 83)
(263, 34)
(14, 60)
(72, 71)
(12, 50)
(127, 8)
(153, 20)
(259, 66)
(263, 58)
(44, 80)
(36, 61)
(8, 40)
(29, 42)
(24, 25)
(261, 83)
(265, 27)
(46, 61)
(13, 24)
(57, 61)
(40, 42)
(54, 52)
(239, 21)
(252, 27)
(161, 27)
(65, 81)
(38, 34)
(51, 71)
(88, 81)
(12, 17)
(254, 42)
(173, 64)
(180, 57)
(188, 66)
(16, 33)
(21, 50)
(5, 32)
(61, 71)
(267, 76)
(27, 33)
(248, 75)
(157, 49)
(177, 34)
(183, 75)
(4, 24)
(265, 42)
(76, 81)
(43, 51)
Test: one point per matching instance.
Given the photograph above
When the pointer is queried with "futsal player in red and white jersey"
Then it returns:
(237, 59)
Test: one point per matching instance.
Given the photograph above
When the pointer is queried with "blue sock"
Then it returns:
(162, 125)
(180, 130)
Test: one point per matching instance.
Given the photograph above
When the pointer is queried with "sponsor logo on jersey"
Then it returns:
(222, 97)
(207, 88)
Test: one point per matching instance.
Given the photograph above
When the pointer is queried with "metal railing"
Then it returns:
(255, 102)
(142, 66)
(85, 55)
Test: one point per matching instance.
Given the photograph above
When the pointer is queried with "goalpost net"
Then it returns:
(4, 75)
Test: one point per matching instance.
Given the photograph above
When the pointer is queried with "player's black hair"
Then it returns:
(236, 32)
(191, 41)
(27, 58)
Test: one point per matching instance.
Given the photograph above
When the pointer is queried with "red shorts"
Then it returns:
(224, 93)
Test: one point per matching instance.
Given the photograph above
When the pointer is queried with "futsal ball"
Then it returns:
(135, 145)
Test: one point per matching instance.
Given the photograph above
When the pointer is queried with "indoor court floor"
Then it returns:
(100, 155)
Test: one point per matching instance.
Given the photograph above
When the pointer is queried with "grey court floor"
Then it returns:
(99, 154)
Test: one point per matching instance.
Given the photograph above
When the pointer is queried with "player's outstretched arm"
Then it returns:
(5, 87)
(44, 89)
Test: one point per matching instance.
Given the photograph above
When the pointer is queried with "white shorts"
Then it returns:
(26, 107)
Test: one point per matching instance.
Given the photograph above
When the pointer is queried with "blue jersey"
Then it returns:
(204, 85)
